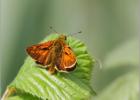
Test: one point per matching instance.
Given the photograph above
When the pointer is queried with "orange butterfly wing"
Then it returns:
(67, 60)
(40, 52)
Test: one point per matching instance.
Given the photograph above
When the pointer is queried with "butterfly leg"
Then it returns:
(40, 65)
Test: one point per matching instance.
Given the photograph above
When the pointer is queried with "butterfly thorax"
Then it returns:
(57, 50)
(58, 46)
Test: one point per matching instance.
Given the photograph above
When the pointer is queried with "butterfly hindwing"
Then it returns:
(67, 61)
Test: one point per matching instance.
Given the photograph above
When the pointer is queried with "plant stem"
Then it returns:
(9, 91)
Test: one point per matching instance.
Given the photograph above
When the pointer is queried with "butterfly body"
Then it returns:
(54, 55)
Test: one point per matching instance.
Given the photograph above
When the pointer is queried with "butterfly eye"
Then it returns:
(65, 38)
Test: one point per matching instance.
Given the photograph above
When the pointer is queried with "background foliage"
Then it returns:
(109, 30)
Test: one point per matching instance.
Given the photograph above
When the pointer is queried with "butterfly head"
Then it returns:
(63, 37)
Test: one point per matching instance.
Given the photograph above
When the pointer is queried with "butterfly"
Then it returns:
(54, 55)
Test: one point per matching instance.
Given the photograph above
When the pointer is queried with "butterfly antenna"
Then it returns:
(75, 33)
(51, 28)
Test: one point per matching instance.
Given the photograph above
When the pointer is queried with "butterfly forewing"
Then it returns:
(40, 52)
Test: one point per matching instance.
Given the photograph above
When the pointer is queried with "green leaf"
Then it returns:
(123, 88)
(61, 86)
(126, 54)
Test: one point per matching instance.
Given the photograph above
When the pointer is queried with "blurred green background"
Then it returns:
(107, 25)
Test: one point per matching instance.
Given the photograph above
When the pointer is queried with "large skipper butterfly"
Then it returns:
(54, 55)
